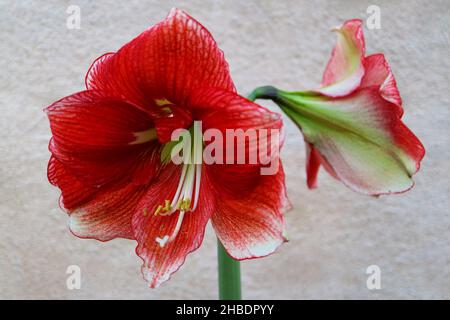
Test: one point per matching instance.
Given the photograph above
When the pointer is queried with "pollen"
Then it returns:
(158, 210)
(164, 210)
(184, 204)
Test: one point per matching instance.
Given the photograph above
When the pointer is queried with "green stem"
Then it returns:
(265, 92)
(229, 275)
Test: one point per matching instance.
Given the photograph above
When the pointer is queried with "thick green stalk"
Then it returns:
(229, 275)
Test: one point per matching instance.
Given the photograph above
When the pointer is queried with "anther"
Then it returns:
(158, 210)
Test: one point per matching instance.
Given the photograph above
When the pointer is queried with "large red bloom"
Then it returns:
(108, 142)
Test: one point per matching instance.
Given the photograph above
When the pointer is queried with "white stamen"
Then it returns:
(188, 187)
(198, 155)
(179, 189)
(198, 176)
(178, 226)
(190, 180)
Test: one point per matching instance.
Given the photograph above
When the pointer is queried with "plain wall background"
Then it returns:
(335, 234)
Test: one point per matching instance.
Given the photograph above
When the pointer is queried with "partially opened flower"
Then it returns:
(110, 144)
(352, 124)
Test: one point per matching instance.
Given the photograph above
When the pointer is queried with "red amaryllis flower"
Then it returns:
(110, 143)
(352, 124)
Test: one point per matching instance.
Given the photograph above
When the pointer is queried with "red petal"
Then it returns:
(97, 213)
(146, 165)
(73, 192)
(108, 215)
(100, 213)
(165, 61)
(346, 66)
(226, 110)
(312, 165)
(86, 122)
(95, 69)
(165, 125)
(250, 224)
(313, 162)
(160, 262)
(222, 110)
(100, 140)
(136, 166)
(378, 73)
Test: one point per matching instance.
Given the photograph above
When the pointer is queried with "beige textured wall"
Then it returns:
(335, 234)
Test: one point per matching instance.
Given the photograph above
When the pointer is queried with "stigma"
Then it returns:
(185, 199)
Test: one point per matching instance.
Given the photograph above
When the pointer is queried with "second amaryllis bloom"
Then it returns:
(110, 144)
(352, 124)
